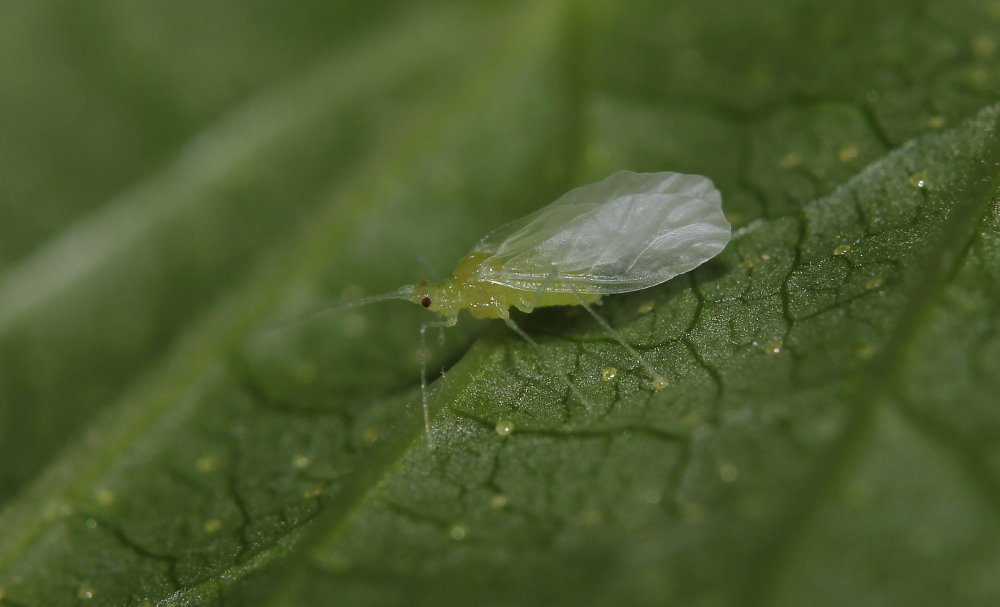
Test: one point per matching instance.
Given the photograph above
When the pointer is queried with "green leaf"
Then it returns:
(828, 435)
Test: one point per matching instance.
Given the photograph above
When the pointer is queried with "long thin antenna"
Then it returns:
(402, 293)
(428, 268)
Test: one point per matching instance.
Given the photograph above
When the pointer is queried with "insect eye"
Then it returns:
(426, 302)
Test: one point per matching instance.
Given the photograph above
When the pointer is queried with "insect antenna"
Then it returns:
(428, 268)
(405, 293)
(658, 381)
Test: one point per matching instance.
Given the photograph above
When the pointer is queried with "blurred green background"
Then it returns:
(175, 176)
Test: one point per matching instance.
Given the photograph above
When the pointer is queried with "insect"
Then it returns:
(630, 231)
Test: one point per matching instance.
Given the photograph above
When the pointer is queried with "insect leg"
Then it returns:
(553, 275)
(449, 322)
(548, 362)
(659, 382)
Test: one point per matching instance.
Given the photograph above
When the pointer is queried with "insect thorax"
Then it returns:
(483, 299)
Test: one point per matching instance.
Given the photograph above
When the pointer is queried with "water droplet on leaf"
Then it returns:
(206, 463)
(370, 434)
(848, 152)
(505, 427)
(728, 472)
(918, 180)
(105, 497)
(213, 525)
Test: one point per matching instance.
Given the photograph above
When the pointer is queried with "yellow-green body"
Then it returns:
(485, 299)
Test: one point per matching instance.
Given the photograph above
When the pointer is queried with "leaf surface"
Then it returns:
(829, 432)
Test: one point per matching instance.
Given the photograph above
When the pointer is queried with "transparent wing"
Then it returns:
(628, 232)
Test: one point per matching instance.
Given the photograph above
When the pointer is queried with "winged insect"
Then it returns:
(630, 231)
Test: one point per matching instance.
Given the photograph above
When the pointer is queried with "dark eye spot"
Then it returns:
(426, 302)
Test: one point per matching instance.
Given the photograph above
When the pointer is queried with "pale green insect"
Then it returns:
(628, 232)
